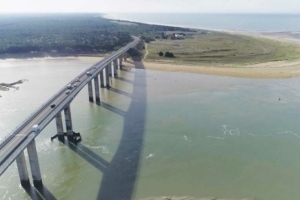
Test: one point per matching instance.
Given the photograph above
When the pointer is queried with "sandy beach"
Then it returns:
(280, 69)
(188, 198)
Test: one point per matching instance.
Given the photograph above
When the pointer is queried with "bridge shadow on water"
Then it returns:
(124, 79)
(112, 108)
(39, 192)
(120, 92)
(120, 175)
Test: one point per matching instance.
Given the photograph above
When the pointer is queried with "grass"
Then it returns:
(222, 48)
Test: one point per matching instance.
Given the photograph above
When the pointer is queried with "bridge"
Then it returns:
(13, 145)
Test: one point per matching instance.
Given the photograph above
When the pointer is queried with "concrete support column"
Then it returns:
(112, 69)
(69, 124)
(109, 69)
(97, 91)
(102, 78)
(59, 127)
(107, 76)
(124, 57)
(34, 164)
(90, 88)
(115, 67)
(120, 62)
(22, 168)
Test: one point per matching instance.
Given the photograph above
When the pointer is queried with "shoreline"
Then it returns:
(29, 56)
(267, 70)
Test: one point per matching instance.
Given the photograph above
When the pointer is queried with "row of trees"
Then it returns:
(167, 54)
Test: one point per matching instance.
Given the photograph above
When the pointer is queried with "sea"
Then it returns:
(227, 22)
(159, 134)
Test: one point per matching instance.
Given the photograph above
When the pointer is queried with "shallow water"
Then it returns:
(160, 133)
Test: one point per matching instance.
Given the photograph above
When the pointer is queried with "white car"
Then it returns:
(88, 73)
(35, 128)
(69, 86)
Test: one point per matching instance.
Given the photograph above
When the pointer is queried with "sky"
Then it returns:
(119, 6)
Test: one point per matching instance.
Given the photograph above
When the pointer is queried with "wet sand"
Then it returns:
(187, 198)
(280, 69)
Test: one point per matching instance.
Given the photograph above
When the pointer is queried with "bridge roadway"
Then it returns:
(22, 136)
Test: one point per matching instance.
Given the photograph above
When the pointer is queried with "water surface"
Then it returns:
(160, 133)
(234, 22)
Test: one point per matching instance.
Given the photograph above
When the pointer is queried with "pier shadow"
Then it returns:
(39, 192)
(111, 108)
(119, 180)
(125, 80)
(128, 71)
(120, 92)
(127, 61)
(94, 159)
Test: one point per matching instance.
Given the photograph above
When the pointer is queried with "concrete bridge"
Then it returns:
(13, 145)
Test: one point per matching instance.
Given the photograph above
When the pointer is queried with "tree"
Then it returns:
(161, 54)
(169, 54)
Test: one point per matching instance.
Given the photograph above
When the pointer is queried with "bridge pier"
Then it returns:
(120, 62)
(34, 164)
(110, 69)
(97, 91)
(102, 78)
(124, 57)
(107, 76)
(69, 125)
(115, 68)
(90, 88)
(59, 127)
(22, 169)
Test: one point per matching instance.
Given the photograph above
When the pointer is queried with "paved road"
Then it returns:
(61, 100)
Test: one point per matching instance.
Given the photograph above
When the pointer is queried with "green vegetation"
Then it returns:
(77, 34)
(69, 34)
(221, 48)
(169, 54)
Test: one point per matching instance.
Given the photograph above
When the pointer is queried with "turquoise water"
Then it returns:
(235, 22)
(160, 133)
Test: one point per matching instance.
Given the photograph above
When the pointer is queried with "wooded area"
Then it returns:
(68, 33)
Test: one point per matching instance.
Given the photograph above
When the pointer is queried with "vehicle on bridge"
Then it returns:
(52, 106)
(88, 73)
(69, 86)
(35, 128)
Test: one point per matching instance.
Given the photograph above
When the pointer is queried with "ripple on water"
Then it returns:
(104, 149)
